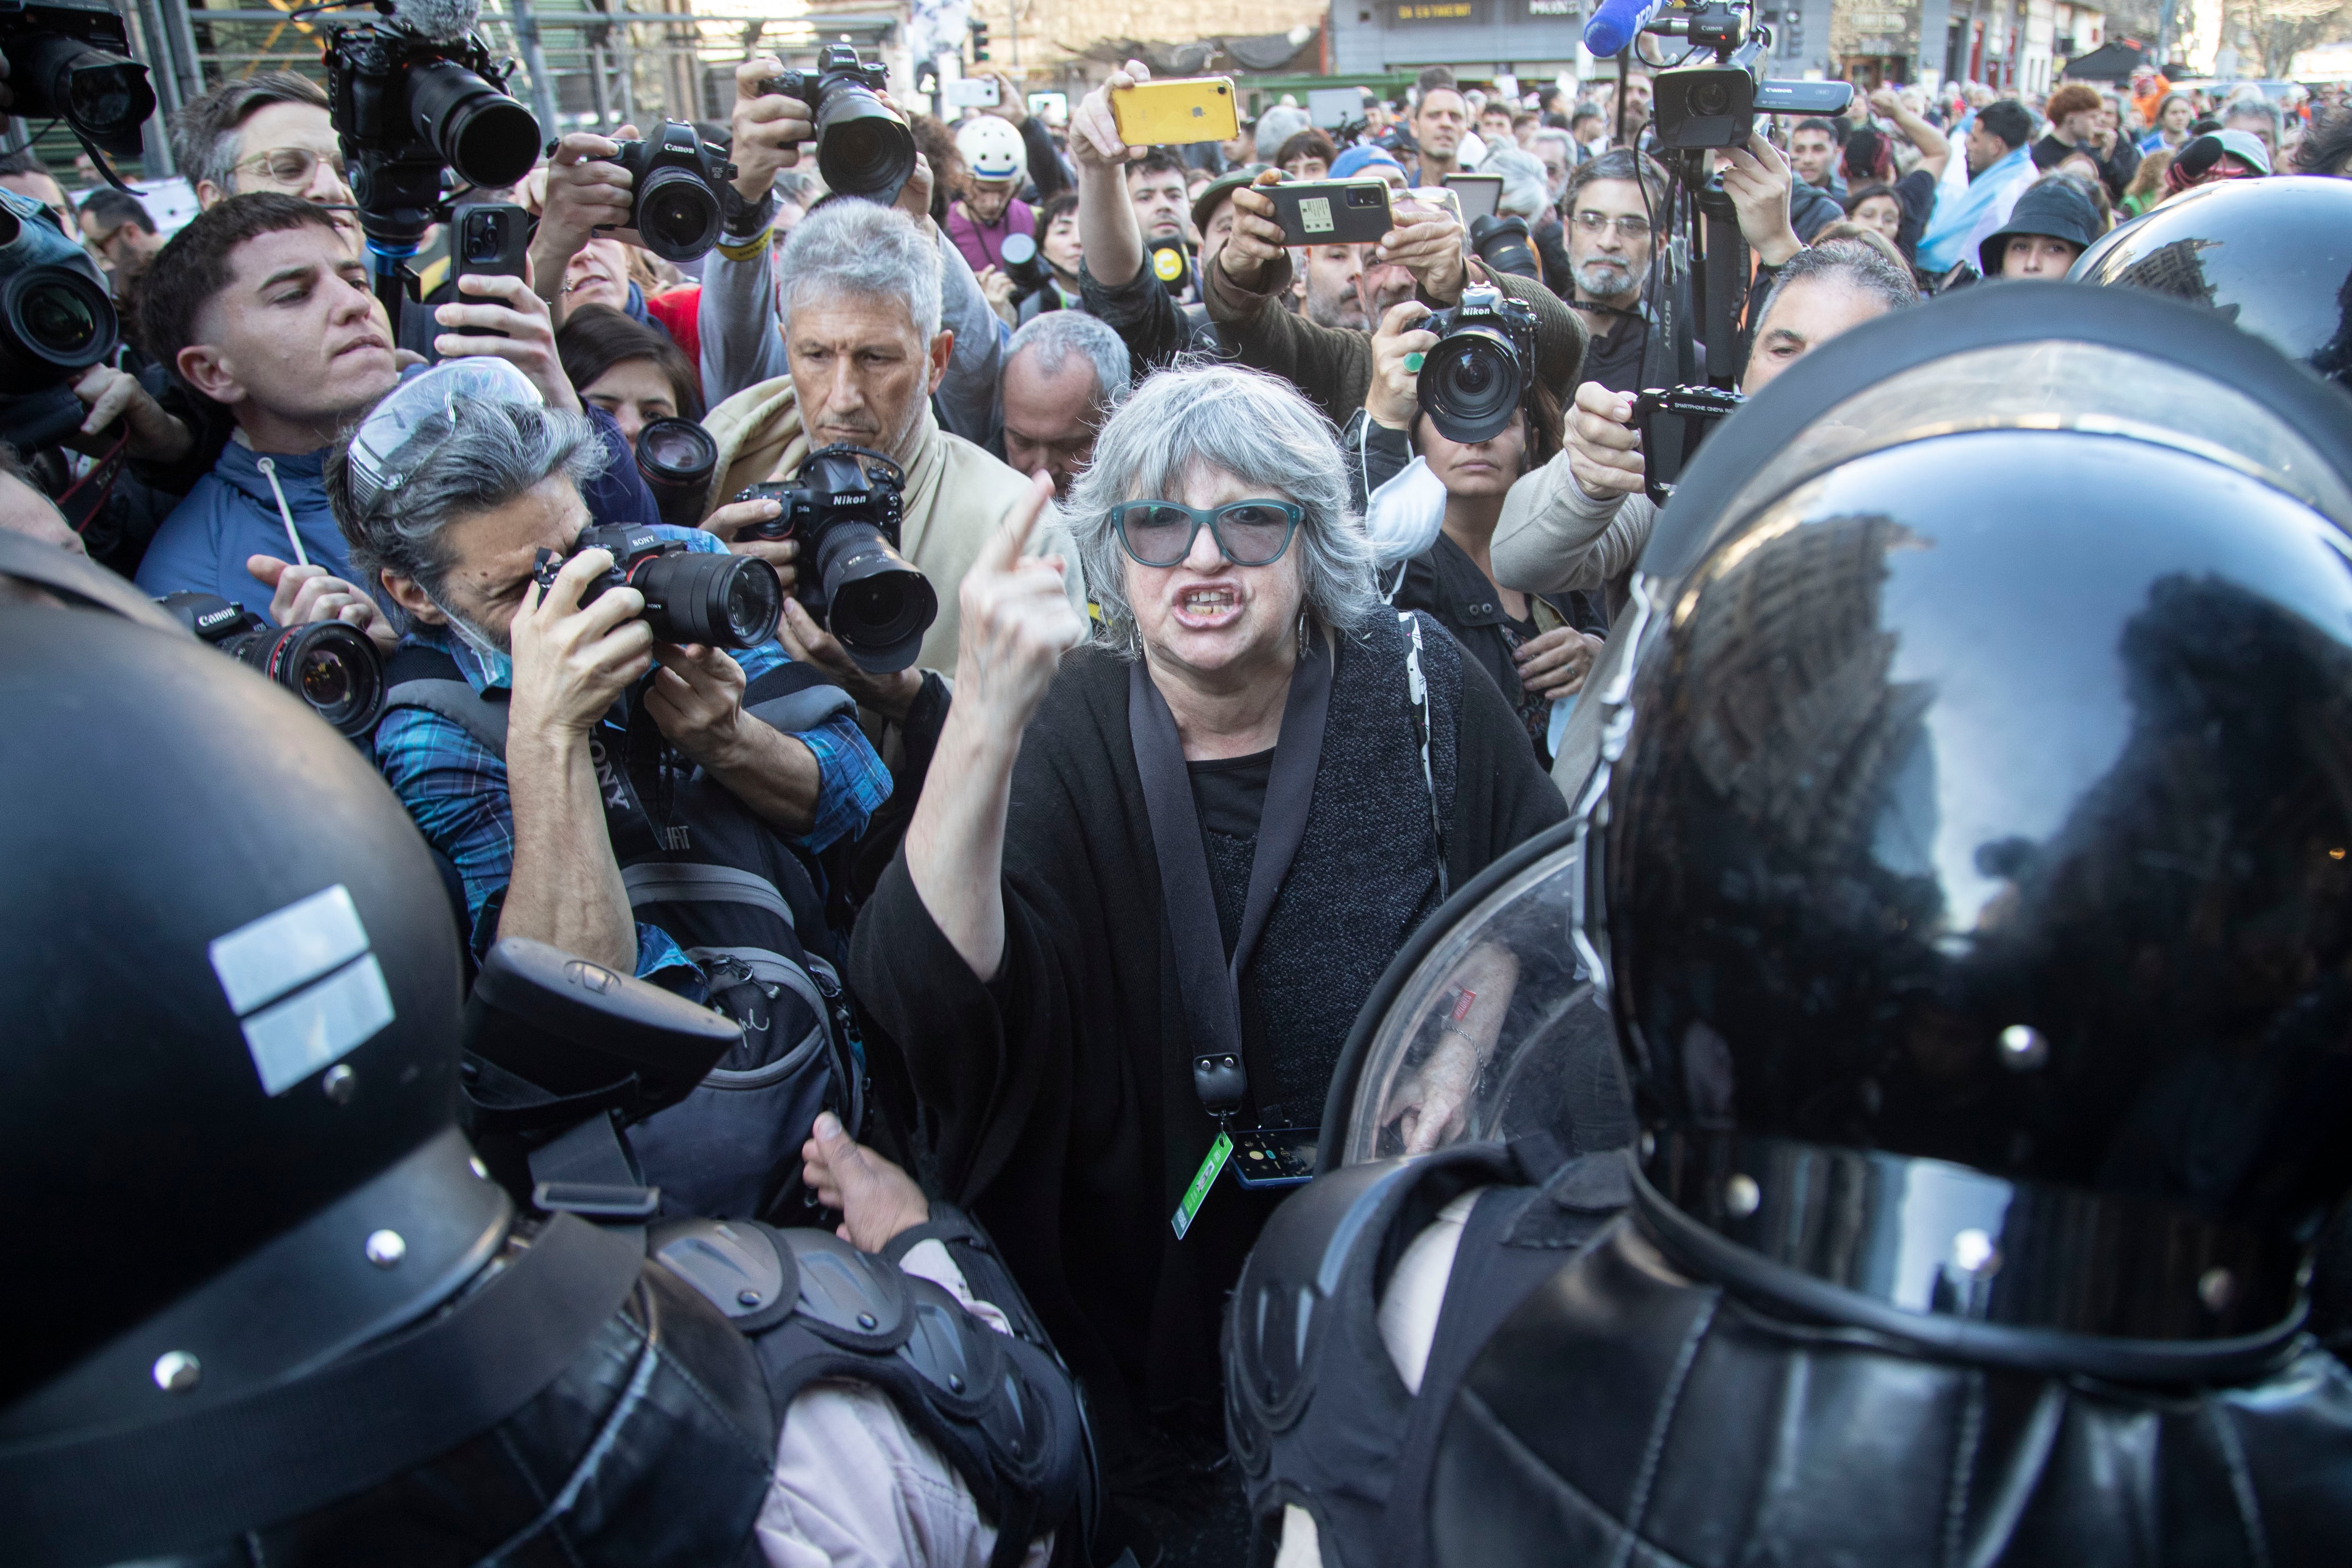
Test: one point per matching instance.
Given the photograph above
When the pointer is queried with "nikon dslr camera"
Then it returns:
(675, 204)
(845, 508)
(1477, 376)
(691, 595)
(861, 148)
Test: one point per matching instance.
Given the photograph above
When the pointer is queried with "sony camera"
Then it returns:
(863, 149)
(57, 320)
(405, 107)
(332, 666)
(691, 596)
(676, 206)
(69, 59)
(1477, 376)
(845, 508)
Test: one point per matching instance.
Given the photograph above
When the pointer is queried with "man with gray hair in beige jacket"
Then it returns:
(861, 304)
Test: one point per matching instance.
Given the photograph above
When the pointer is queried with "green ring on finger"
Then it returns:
(1413, 362)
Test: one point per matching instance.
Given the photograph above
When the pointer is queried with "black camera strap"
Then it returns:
(1209, 983)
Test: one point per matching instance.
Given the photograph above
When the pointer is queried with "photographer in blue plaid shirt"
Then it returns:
(652, 807)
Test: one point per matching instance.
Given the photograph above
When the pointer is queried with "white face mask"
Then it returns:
(496, 659)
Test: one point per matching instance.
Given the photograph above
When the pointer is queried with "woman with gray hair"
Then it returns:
(1151, 879)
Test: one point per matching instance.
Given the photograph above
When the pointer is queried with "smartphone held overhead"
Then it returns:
(1179, 110)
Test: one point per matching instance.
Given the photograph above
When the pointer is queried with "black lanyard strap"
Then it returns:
(1209, 983)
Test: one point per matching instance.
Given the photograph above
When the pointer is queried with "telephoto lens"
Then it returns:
(878, 606)
(332, 666)
(489, 138)
(691, 596)
(676, 457)
(1475, 379)
(845, 507)
(863, 149)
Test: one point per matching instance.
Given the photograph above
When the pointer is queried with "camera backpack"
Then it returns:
(738, 899)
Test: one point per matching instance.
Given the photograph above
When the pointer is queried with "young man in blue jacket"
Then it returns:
(259, 306)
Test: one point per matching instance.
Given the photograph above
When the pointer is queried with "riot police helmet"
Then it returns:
(231, 980)
(2271, 256)
(1965, 879)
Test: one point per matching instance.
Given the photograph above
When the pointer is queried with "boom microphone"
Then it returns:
(1615, 23)
(442, 21)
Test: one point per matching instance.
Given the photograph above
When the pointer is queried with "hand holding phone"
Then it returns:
(487, 239)
(1331, 212)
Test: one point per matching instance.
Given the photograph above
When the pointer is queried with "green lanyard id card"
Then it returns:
(1203, 1180)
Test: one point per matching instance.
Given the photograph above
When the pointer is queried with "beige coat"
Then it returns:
(956, 494)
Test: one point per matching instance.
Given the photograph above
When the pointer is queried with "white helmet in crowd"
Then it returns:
(992, 149)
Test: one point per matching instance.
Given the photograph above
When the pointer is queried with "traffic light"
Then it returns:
(1793, 35)
(980, 42)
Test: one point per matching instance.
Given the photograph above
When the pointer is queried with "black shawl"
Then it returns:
(1057, 1101)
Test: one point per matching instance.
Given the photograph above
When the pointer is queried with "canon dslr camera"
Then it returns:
(675, 207)
(332, 666)
(861, 148)
(691, 596)
(845, 508)
(1476, 377)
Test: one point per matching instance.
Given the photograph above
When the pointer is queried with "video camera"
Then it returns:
(69, 60)
(333, 668)
(691, 595)
(57, 320)
(863, 149)
(845, 508)
(410, 97)
(1697, 292)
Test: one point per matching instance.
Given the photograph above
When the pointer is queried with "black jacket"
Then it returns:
(1057, 1101)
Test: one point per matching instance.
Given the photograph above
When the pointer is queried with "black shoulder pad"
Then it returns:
(853, 1299)
(740, 1267)
(973, 1252)
(1326, 1252)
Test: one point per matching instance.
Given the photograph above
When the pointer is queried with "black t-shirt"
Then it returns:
(1229, 793)
(1615, 361)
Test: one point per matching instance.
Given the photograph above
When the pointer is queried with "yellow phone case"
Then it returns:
(1187, 109)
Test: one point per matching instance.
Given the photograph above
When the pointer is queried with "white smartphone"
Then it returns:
(968, 93)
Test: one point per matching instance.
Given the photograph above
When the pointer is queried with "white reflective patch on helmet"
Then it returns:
(304, 985)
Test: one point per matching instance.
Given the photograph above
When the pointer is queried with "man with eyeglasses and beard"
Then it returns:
(1610, 203)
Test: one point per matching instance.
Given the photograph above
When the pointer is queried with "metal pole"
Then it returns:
(534, 65)
(183, 43)
(154, 134)
(624, 66)
(600, 90)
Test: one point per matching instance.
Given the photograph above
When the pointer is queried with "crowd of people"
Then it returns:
(1241, 663)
